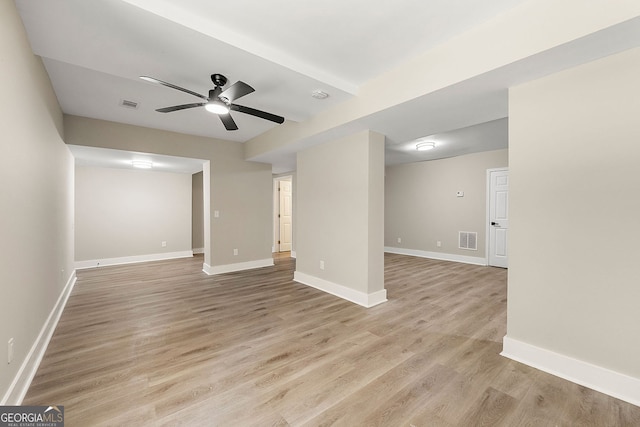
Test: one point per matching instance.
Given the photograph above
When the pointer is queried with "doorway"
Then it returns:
(498, 217)
(283, 214)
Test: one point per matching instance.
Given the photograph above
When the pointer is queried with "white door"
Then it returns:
(285, 216)
(498, 217)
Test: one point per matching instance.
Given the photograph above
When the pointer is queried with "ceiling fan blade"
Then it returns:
(172, 86)
(180, 107)
(237, 90)
(228, 121)
(257, 113)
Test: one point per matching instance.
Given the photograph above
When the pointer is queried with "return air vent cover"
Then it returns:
(129, 104)
(468, 240)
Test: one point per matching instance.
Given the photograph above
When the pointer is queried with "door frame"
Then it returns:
(276, 210)
(487, 238)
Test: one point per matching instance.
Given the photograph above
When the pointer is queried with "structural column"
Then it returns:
(340, 233)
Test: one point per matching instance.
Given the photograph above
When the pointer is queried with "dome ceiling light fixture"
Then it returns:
(142, 164)
(319, 94)
(425, 145)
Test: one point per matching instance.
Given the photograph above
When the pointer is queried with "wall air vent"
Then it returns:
(129, 104)
(468, 240)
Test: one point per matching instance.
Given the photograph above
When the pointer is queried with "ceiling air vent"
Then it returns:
(129, 104)
(468, 240)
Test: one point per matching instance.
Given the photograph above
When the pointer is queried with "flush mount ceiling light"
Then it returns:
(142, 164)
(424, 146)
(216, 106)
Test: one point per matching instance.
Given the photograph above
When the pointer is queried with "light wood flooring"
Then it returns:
(163, 344)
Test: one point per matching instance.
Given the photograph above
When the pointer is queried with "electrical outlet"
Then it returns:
(438, 243)
(235, 252)
(164, 244)
(399, 240)
(216, 214)
(10, 351)
(321, 265)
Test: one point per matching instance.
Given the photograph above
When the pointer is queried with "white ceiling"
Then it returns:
(95, 51)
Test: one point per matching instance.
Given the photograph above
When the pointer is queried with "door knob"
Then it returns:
(494, 223)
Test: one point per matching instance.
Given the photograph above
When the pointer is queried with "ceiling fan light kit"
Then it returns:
(219, 101)
(217, 107)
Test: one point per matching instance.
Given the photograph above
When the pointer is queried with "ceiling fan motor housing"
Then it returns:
(214, 93)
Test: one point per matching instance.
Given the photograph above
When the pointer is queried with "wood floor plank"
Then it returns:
(490, 410)
(163, 344)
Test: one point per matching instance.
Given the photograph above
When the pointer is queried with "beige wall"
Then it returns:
(197, 212)
(421, 206)
(340, 210)
(124, 212)
(574, 285)
(240, 191)
(36, 185)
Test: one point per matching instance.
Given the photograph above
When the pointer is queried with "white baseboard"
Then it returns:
(293, 254)
(240, 266)
(609, 382)
(20, 384)
(437, 255)
(131, 259)
(198, 251)
(360, 298)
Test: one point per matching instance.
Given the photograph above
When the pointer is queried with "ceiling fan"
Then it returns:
(219, 101)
